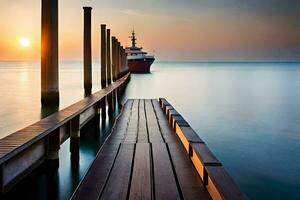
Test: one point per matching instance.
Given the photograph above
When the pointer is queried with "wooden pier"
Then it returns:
(152, 153)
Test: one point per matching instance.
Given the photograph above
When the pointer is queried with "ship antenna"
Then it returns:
(133, 39)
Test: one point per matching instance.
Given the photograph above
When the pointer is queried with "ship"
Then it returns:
(138, 60)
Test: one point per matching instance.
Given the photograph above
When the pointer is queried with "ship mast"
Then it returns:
(133, 39)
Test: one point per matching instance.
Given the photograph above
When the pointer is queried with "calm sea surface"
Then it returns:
(247, 113)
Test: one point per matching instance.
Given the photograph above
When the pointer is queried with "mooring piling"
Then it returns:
(49, 53)
(119, 59)
(118, 71)
(103, 68)
(109, 79)
(124, 61)
(52, 152)
(87, 50)
(75, 139)
(123, 66)
(114, 77)
(108, 52)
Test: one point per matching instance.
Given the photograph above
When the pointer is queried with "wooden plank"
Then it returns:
(142, 131)
(163, 103)
(204, 154)
(201, 156)
(171, 114)
(120, 127)
(94, 180)
(140, 187)
(119, 179)
(164, 181)
(187, 136)
(132, 130)
(190, 134)
(178, 121)
(158, 110)
(188, 179)
(167, 133)
(152, 123)
(221, 186)
(167, 109)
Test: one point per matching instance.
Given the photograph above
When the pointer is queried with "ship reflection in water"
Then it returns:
(138, 61)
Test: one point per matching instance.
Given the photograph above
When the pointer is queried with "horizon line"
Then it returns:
(179, 61)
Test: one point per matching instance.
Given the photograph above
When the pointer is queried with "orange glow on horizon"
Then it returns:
(173, 35)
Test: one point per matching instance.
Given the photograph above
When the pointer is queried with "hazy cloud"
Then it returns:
(133, 12)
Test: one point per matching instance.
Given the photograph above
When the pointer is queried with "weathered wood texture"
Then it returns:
(148, 160)
(25, 149)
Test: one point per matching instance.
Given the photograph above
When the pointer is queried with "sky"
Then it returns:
(194, 30)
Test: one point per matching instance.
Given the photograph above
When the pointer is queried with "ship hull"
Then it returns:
(140, 66)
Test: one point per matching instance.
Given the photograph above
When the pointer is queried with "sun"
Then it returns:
(24, 42)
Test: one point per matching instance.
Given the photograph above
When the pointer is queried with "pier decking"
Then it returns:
(144, 158)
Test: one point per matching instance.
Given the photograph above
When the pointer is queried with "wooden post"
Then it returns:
(109, 81)
(118, 72)
(75, 140)
(114, 63)
(108, 57)
(114, 75)
(125, 62)
(121, 69)
(49, 53)
(53, 146)
(87, 51)
(119, 60)
(103, 69)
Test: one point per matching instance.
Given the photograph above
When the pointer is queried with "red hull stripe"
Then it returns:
(140, 66)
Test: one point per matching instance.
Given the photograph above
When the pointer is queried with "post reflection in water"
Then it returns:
(61, 183)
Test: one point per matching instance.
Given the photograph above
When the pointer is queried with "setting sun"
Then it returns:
(24, 42)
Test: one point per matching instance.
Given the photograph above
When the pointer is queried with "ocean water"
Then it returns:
(247, 113)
